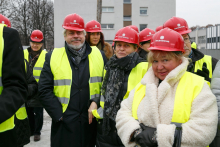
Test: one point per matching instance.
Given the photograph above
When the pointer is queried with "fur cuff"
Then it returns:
(165, 135)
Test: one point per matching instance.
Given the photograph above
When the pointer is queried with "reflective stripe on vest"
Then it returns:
(135, 76)
(21, 114)
(38, 65)
(62, 73)
(9, 123)
(184, 97)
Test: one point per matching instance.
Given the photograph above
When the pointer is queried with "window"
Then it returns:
(127, 18)
(107, 9)
(107, 26)
(143, 10)
(143, 26)
(201, 39)
(192, 39)
(127, 1)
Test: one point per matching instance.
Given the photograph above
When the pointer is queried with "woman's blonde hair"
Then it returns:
(168, 54)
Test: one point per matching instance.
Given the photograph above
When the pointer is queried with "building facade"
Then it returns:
(206, 38)
(115, 14)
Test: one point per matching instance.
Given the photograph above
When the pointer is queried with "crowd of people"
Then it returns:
(148, 89)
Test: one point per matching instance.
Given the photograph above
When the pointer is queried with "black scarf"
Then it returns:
(112, 85)
(77, 55)
(33, 57)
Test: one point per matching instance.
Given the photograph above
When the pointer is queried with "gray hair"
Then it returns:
(64, 32)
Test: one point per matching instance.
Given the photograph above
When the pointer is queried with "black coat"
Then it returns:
(112, 139)
(22, 126)
(33, 98)
(74, 130)
(15, 87)
(197, 55)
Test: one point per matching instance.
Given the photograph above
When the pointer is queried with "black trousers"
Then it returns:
(35, 116)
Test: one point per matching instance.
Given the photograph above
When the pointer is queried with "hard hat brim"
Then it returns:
(72, 28)
(124, 40)
(162, 48)
(144, 40)
(92, 31)
(36, 40)
(185, 32)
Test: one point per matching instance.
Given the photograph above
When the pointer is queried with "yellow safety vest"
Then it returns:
(38, 65)
(193, 45)
(184, 97)
(21, 114)
(135, 76)
(9, 123)
(208, 60)
(62, 72)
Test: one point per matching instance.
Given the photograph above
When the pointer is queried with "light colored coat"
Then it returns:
(156, 110)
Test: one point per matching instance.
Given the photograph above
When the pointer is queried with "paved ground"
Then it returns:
(45, 134)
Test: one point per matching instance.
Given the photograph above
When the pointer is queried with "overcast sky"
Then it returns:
(199, 12)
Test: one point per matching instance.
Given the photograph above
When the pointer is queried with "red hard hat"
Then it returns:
(134, 27)
(159, 28)
(146, 34)
(167, 40)
(73, 22)
(36, 36)
(93, 26)
(113, 43)
(177, 24)
(128, 35)
(5, 20)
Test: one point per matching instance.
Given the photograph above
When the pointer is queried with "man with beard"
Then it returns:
(202, 65)
(69, 87)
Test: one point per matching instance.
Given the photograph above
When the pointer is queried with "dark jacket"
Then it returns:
(33, 98)
(112, 139)
(74, 130)
(22, 126)
(143, 54)
(15, 87)
(197, 55)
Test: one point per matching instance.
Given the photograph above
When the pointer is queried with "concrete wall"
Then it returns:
(115, 18)
(214, 53)
(85, 8)
(159, 11)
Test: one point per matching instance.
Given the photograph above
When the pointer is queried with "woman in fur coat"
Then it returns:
(95, 37)
(170, 107)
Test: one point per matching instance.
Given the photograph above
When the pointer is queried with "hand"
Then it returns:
(204, 72)
(144, 139)
(92, 107)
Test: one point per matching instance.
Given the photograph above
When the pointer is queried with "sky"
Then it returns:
(199, 12)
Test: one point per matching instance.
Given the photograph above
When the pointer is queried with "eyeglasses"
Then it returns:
(186, 40)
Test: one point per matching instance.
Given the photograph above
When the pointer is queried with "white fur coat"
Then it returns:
(156, 110)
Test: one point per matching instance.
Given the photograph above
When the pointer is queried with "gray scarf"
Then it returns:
(77, 55)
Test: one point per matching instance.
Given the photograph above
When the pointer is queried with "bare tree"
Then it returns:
(29, 15)
(5, 8)
(99, 10)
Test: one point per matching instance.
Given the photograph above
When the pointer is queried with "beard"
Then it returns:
(76, 47)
